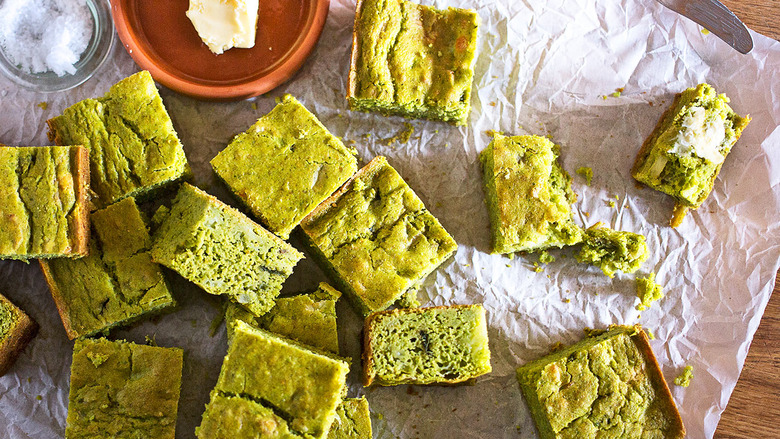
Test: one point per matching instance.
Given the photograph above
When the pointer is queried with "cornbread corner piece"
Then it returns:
(16, 331)
(353, 420)
(307, 318)
(133, 148)
(233, 417)
(412, 60)
(444, 344)
(123, 390)
(117, 283)
(301, 386)
(612, 250)
(607, 385)
(284, 166)
(684, 153)
(376, 239)
(44, 201)
(528, 195)
(222, 251)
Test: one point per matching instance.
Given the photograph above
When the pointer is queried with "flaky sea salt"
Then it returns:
(45, 35)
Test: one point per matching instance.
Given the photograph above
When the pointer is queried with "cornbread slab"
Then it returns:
(444, 344)
(284, 165)
(133, 148)
(299, 385)
(607, 385)
(353, 420)
(44, 201)
(412, 60)
(233, 417)
(16, 331)
(684, 153)
(222, 251)
(528, 195)
(376, 239)
(117, 283)
(123, 390)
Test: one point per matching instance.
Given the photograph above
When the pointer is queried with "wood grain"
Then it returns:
(754, 408)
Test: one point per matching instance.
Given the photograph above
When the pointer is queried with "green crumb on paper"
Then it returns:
(508, 265)
(648, 291)
(586, 173)
(492, 133)
(537, 268)
(254, 105)
(684, 380)
(604, 97)
(39, 397)
(151, 341)
(650, 334)
(705, 31)
(43, 105)
(402, 136)
(97, 359)
(546, 258)
(615, 94)
(566, 300)
(612, 204)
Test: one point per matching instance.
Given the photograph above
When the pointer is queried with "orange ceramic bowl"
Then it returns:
(161, 39)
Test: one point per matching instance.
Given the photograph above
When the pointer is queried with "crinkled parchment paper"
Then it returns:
(542, 68)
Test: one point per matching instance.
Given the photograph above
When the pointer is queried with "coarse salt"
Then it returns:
(45, 35)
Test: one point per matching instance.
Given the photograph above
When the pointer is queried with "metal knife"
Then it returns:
(716, 18)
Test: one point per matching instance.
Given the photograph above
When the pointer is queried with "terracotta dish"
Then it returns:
(161, 39)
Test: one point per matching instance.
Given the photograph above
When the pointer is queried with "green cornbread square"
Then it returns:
(297, 384)
(222, 251)
(684, 153)
(607, 385)
(123, 390)
(16, 331)
(44, 201)
(528, 195)
(353, 420)
(133, 148)
(376, 239)
(284, 165)
(308, 318)
(443, 344)
(612, 250)
(117, 283)
(233, 417)
(412, 60)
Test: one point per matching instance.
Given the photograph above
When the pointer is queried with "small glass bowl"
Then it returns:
(93, 57)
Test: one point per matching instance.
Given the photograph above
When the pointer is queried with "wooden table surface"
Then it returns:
(754, 408)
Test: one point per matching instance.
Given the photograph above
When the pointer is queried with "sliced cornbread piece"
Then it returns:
(412, 60)
(44, 201)
(684, 153)
(234, 417)
(284, 166)
(607, 385)
(222, 251)
(133, 148)
(307, 318)
(376, 239)
(123, 390)
(443, 344)
(353, 420)
(16, 331)
(612, 250)
(528, 195)
(299, 385)
(117, 283)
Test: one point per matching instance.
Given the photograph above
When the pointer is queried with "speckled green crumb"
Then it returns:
(376, 238)
(612, 250)
(412, 60)
(43, 201)
(233, 417)
(307, 318)
(117, 283)
(586, 173)
(353, 420)
(684, 379)
(284, 166)
(222, 251)
(133, 148)
(684, 153)
(606, 386)
(123, 390)
(528, 195)
(447, 344)
(648, 291)
(302, 387)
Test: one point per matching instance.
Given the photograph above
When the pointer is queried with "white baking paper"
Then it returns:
(544, 68)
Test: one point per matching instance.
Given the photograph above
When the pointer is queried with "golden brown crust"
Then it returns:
(351, 79)
(645, 149)
(14, 344)
(81, 192)
(59, 300)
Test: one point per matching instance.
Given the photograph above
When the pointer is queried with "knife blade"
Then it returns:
(716, 18)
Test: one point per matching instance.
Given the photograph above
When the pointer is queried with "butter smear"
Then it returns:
(224, 24)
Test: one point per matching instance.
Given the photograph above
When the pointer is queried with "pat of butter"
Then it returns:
(224, 24)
